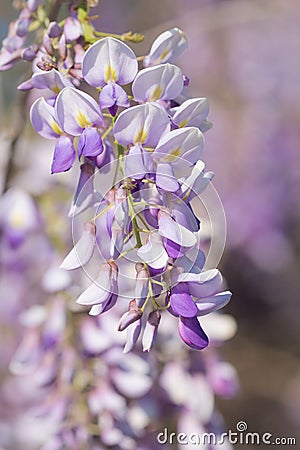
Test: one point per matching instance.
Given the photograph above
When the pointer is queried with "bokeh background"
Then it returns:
(244, 55)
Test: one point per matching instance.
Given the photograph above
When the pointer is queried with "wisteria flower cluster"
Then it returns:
(143, 120)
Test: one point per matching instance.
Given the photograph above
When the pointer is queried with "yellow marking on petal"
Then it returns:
(183, 123)
(82, 120)
(56, 128)
(164, 54)
(172, 156)
(140, 137)
(110, 74)
(16, 219)
(56, 89)
(156, 93)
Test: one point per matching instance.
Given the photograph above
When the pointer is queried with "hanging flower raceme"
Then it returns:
(158, 144)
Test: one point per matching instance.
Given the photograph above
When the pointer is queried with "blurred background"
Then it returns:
(244, 56)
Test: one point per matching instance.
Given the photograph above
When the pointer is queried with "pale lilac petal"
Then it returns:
(196, 182)
(112, 96)
(191, 333)
(167, 47)
(202, 284)
(76, 110)
(90, 143)
(64, 155)
(181, 302)
(183, 214)
(83, 249)
(84, 196)
(43, 119)
(150, 330)
(132, 335)
(153, 252)
(165, 178)
(99, 291)
(109, 60)
(142, 124)
(181, 147)
(72, 29)
(163, 82)
(138, 163)
(209, 304)
(168, 228)
(191, 113)
(131, 384)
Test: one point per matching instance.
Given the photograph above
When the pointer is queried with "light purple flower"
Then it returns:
(109, 61)
(181, 147)
(142, 124)
(163, 82)
(167, 47)
(76, 110)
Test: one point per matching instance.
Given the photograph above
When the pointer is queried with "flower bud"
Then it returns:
(132, 315)
(47, 43)
(29, 53)
(54, 30)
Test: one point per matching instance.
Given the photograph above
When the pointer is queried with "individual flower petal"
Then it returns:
(84, 196)
(43, 119)
(168, 228)
(109, 60)
(112, 96)
(99, 291)
(165, 178)
(141, 124)
(76, 110)
(52, 80)
(150, 330)
(64, 155)
(153, 252)
(196, 182)
(138, 163)
(90, 143)
(191, 113)
(133, 332)
(163, 82)
(181, 302)
(202, 284)
(191, 333)
(167, 47)
(83, 249)
(213, 303)
(181, 147)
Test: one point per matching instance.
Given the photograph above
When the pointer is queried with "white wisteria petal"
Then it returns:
(153, 252)
(181, 147)
(168, 228)
(52, 80)
(43, 119)
(165, 178)
(141, 124)
(202, 284)
(83, 249)
(191, 113)
(163, 82)
(99, 291)
(167, 47)
(197, 181)
(75, 110)
(209, 304)
(109, 60)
